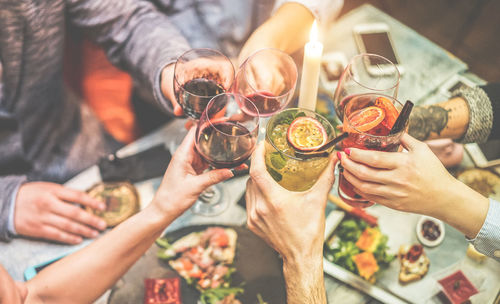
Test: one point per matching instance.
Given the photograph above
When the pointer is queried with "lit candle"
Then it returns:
(310, 70)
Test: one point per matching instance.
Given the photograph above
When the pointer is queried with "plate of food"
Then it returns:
(357, 247)
(204, 264)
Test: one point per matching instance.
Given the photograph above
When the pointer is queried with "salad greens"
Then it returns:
(341, 246)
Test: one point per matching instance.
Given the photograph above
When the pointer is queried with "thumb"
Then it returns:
(409, 142)
(213, 177)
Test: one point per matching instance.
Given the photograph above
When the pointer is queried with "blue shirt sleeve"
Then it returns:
(487, 240)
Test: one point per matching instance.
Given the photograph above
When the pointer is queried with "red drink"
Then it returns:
(266, 103)
(225, 143)
(368, 118)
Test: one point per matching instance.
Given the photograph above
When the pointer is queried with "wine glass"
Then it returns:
(199, 75)
(268, 78)
(366, 73)
(225, 138)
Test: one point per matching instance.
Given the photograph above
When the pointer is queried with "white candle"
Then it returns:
(310, 70)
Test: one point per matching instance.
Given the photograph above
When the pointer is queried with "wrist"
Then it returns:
(464, 209)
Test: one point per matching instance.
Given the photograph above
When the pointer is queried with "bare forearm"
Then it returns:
(305, 281)
(448, 119)
(83, 276)
(278, 32)
(462, 208)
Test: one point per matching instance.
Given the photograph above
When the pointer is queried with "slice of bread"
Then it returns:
(414, 263)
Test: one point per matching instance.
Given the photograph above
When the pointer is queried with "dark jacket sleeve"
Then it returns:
(493, 92)
(13, 165)
(135, 35)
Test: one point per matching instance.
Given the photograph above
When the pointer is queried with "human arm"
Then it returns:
(293, 224)
(288, 28)
(417, 182)
(472, 115)
(83, 276)
(31, 209)
(137, 38)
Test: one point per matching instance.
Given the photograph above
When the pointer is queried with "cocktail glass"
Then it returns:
(292, 172)
(376, 138)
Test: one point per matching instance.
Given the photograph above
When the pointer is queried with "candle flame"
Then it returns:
(313, 34)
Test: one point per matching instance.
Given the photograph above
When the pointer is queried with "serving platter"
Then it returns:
(258, 270)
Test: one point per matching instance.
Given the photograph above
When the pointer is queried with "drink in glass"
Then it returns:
(366, 73)
(368, 119)
(268, 78)
(199, 75)
(225, 138)
(295, 130)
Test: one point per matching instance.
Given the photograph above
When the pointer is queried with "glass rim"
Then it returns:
(289, 110)
(205, 113)
(202, 49)
(274, 50)
(370, 135)
(380, 57)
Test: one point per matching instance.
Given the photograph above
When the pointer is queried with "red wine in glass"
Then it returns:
(195, 94)
(225, 144)
(266, 103)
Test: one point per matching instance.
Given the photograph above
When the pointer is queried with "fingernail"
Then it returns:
(77, 240)
(94, 234)
(347, 151)
(102, 225)
(102, 207)
(339, 155)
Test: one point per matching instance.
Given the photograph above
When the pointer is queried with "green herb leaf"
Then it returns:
(275, 175)
(277, 160)
(163, 243)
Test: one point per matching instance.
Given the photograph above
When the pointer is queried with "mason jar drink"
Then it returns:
(291, 131)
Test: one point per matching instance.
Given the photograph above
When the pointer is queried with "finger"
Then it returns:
(327, 177)
(363, 187)
(213, 177)
(78, 214)
(410, 143)
(258, 170)
(187, 146)
(375, 159)
(79, 197)
(72, 227)
(58, 235)
(363, 172)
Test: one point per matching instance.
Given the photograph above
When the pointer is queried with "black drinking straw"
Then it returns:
(402, 119)
(321, 151)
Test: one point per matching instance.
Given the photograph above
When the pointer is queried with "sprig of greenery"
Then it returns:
(214, 295)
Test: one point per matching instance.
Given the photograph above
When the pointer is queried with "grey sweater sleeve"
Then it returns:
(480, 114)
(8, 187)
(13, 165)
(136, 37)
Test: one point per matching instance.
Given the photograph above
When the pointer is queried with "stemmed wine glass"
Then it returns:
(268, 78)
(366, 73)
(225, 138)
(199, 75)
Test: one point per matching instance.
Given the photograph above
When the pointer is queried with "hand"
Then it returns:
(184, 179)
(292, 223)
(264, 73)
(46, 210)
(403, 181)
(167, 88)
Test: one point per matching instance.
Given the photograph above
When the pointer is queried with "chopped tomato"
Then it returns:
(194, 250)
(196, 274)
(186, 264)
(221, 239)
